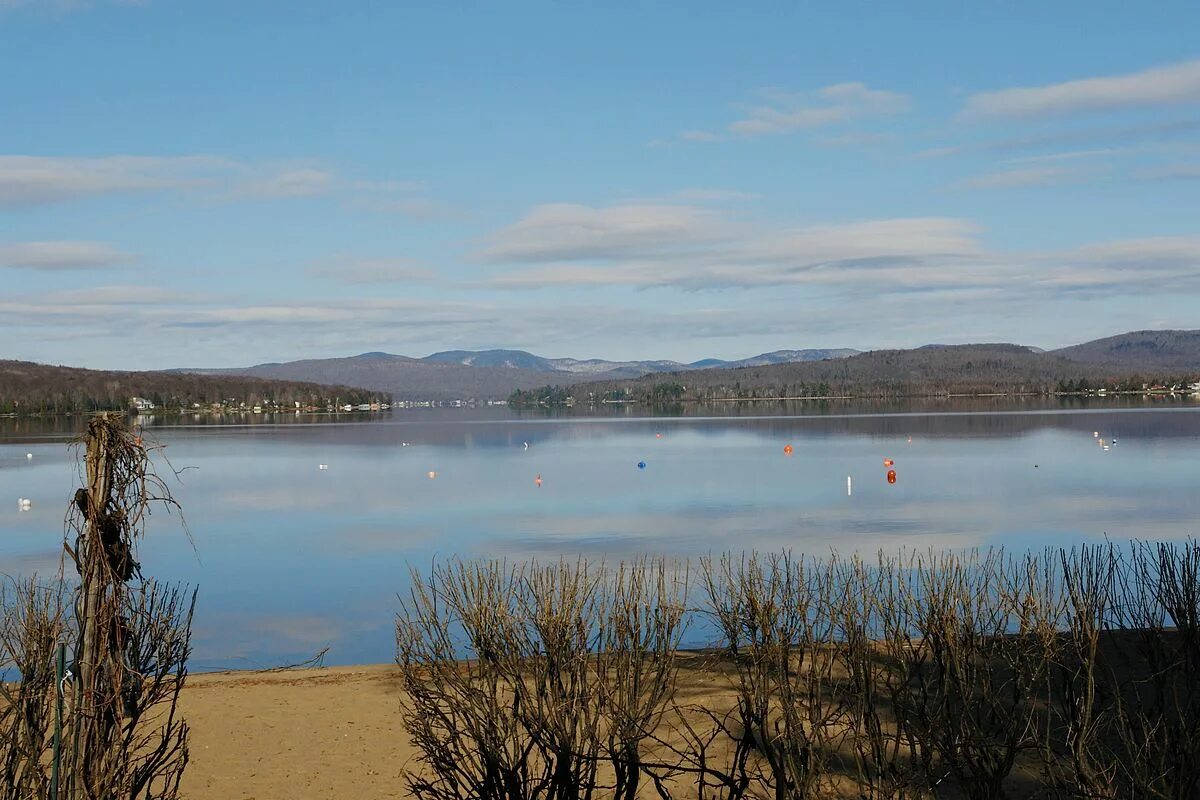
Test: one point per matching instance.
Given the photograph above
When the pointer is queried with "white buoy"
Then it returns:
(322, 466)
(29, 456)
(24, 504)
(849, 486)
(526, 445)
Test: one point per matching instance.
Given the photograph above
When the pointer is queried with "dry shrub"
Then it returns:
(777, 621)
(31, 626)
(128, 638)
(538, 681)
(1066, 674)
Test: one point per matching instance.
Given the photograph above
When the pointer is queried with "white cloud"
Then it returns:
(1168, 85)
(35, 180)
(27, 181)
(940, 258)
(58, 256)
(835, 104)
(692, 247)
(567, 231)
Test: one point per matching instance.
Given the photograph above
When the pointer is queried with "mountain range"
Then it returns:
(454, 374)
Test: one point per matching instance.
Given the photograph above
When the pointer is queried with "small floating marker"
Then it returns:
(641, 465)
(24, 504)
(887, 462)
(849, 486)
(1106, 448)
(537, 481)
(658, 436)
(404, 444)
(29, 456)
(787, 449)
(322, 466)
(910, 440)
(891, 476)
(526, 445)
(431, 474)
(1095, 434)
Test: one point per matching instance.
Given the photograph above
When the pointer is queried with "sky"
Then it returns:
(226, 183)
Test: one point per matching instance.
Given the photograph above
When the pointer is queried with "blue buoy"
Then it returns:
(641, 465)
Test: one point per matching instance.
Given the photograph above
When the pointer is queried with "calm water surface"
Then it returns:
(290, 558)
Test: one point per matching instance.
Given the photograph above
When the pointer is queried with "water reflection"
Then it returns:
(291, 558)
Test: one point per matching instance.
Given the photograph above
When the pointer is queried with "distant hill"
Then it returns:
(929, 370)
(783, 357)
(941, 368)
(26, 387)
(508, 359)
(1145, 350)
(404, 378)
(461, 374)
(520, 359)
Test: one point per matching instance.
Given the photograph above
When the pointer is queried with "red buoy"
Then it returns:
(891, 476)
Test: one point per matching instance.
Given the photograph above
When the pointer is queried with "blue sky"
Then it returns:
(225, 183)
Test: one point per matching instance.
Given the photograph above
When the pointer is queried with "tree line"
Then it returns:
(29, 388)
(924, 372)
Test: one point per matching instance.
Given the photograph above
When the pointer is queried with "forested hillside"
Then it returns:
(961, 369)
(26, 387)
(1146, 350)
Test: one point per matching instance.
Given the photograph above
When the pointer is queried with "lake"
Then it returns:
(291, 558)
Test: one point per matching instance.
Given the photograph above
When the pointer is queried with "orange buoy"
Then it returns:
(887, 462)
(538, 480)
(891, 476)
(787, 449)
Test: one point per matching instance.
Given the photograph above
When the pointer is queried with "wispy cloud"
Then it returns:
(302, 182)
(1033, 176)
(61, 256)
(839, 103)
(567, 231)
(1173, 84)
(1071, 155)
(1092, 134)
(694, 247)
(37, 180)
(938, 257)
(29, 181)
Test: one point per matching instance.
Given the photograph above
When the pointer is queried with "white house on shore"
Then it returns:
(141, 404)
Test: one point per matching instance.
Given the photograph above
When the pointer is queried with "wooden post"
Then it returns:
(93, 577)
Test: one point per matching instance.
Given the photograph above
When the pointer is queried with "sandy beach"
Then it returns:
(320, 733)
